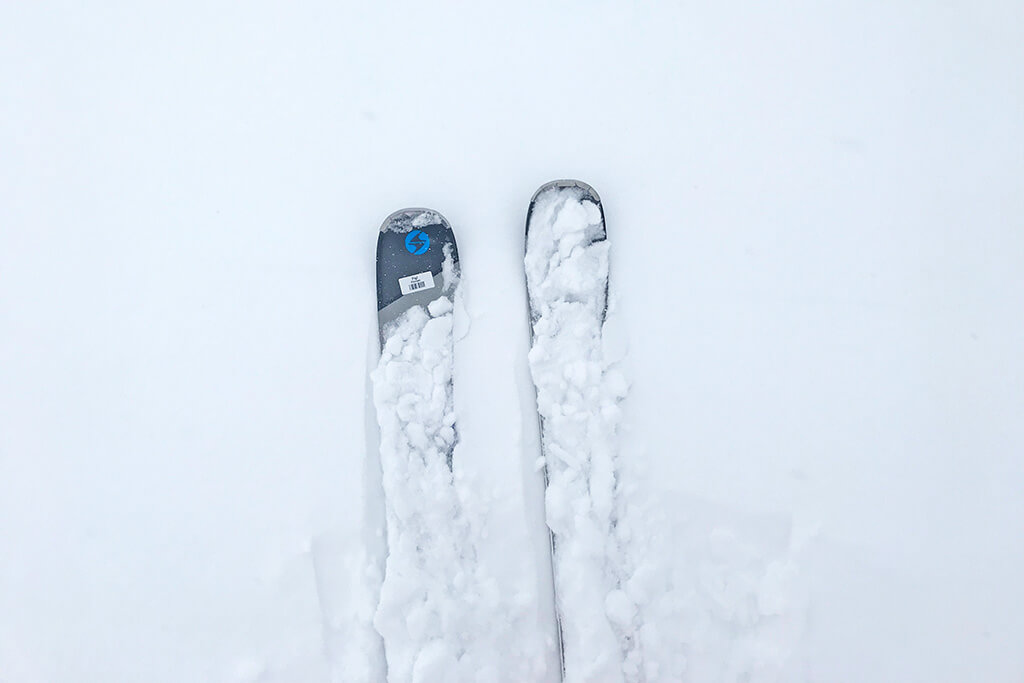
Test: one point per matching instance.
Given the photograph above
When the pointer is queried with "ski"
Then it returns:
(566, 261)
(417, 279)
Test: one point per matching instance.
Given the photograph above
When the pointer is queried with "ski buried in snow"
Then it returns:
(417, 278)
(566, 262)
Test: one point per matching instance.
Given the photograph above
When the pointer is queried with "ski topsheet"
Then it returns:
(577, 399)
(417, 263)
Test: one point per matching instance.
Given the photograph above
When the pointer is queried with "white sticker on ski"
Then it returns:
(416, 283)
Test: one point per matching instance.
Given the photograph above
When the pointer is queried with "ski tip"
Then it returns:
(404, 220)
(588, 191)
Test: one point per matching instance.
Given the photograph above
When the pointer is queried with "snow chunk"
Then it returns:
(436, 333)
(620, 609)
(440, 306)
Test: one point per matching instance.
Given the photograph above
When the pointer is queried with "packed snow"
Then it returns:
(605, 575)
(811, 359)
(440, 615)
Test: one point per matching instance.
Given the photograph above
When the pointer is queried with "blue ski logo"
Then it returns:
(417, 242)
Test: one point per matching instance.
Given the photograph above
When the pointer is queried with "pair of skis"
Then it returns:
(566, 264)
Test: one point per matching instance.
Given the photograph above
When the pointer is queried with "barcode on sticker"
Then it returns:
(415, 283)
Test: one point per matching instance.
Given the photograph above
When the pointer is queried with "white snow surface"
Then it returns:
(816, 265)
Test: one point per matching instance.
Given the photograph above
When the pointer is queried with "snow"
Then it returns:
(815, 220)
(599, 549)
(441, 616)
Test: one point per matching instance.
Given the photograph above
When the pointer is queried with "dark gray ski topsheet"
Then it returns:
(417, 262)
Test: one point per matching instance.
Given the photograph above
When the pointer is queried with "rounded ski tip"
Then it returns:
(404, 220)
(588, 191)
